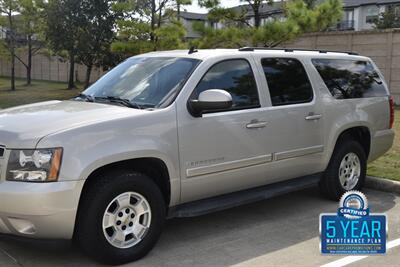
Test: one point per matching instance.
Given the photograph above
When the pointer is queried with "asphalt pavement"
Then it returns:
(282, 231)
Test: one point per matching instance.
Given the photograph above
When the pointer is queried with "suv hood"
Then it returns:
(24, 126)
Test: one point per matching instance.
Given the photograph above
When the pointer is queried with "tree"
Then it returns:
(95, 43)
(83, 28)
(30, 25)
(229, 14)
(388, 19)
(170, 36)
(255, 6)
(299, 18)
(149, 26)
(317, 18)
(179, 4)
(65, 21)
(227, 37)
(8, 8)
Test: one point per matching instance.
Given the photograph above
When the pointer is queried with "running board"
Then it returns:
(227, 201)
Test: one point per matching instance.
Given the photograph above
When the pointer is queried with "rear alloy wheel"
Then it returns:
(346, 170)
(349, 171)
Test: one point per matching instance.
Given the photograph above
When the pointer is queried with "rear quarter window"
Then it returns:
(350, 78)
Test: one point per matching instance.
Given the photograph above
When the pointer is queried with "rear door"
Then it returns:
(295, 120)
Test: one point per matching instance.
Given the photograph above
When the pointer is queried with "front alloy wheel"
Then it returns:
(126, 220)
(120, 216)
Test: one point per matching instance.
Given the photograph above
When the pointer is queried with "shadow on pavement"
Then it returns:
(223, 238)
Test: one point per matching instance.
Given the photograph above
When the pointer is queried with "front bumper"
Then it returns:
(39, 210)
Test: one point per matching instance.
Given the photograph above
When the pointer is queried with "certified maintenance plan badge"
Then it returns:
(353, 230)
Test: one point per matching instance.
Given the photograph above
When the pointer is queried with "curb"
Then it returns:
(382, 184)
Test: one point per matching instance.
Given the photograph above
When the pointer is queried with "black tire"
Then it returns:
(89, 231)
(329, 184)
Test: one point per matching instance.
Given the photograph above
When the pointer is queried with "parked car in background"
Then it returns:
(181, 133)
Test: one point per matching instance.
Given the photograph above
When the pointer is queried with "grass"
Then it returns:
(38, 91)
(388, 166)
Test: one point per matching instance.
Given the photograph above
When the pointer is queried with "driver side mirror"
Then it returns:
(210, 100)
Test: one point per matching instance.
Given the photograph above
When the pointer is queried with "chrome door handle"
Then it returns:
(254, 124)
(313, 117)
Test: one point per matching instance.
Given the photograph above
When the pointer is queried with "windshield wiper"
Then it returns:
(87, 98)
(122, 101)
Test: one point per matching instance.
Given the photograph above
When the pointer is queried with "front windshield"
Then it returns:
(149, 82)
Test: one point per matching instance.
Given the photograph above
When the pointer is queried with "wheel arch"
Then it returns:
(361, 134)
(155, 168)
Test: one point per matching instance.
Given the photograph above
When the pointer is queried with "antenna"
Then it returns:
(192, 50)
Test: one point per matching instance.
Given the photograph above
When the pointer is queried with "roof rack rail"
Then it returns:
(296, 49)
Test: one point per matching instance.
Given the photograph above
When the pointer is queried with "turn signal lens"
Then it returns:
(55, 165)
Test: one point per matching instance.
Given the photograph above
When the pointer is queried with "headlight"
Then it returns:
(39, 165)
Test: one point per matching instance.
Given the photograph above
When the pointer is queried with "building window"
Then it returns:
(372, 14)
(396, 10)
(348, 15)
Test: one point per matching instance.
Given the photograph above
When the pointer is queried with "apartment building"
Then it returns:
(358, 15)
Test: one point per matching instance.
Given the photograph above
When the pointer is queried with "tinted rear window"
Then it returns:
(350, 78)
(287, 81)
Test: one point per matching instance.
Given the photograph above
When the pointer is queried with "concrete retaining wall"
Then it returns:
(48, 68)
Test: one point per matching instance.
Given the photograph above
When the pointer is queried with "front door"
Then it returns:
(224, 151)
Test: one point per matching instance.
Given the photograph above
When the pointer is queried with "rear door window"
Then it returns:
(350, 78)
(287, 81)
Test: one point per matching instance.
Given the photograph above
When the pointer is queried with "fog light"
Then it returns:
(22, 226)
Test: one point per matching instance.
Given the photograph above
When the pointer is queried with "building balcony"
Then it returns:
(344, 25)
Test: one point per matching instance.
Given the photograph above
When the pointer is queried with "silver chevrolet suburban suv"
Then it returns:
(178, 133)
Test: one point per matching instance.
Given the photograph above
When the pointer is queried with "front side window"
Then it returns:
(350, 78)
(148, 82)
(234, 76)
(287, 81)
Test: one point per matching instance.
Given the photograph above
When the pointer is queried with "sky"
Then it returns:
(225, 3)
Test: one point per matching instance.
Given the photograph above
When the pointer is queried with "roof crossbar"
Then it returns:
(296, 49)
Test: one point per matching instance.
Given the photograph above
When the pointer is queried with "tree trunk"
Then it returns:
(159, 18)
(178, 8)
(256, 10)
(88, 73)
(12, 70)
(71, 83)
(29, 65)
(153, 19)
(257, 19)
(12, 50)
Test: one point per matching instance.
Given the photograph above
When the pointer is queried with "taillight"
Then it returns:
(391, 105)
